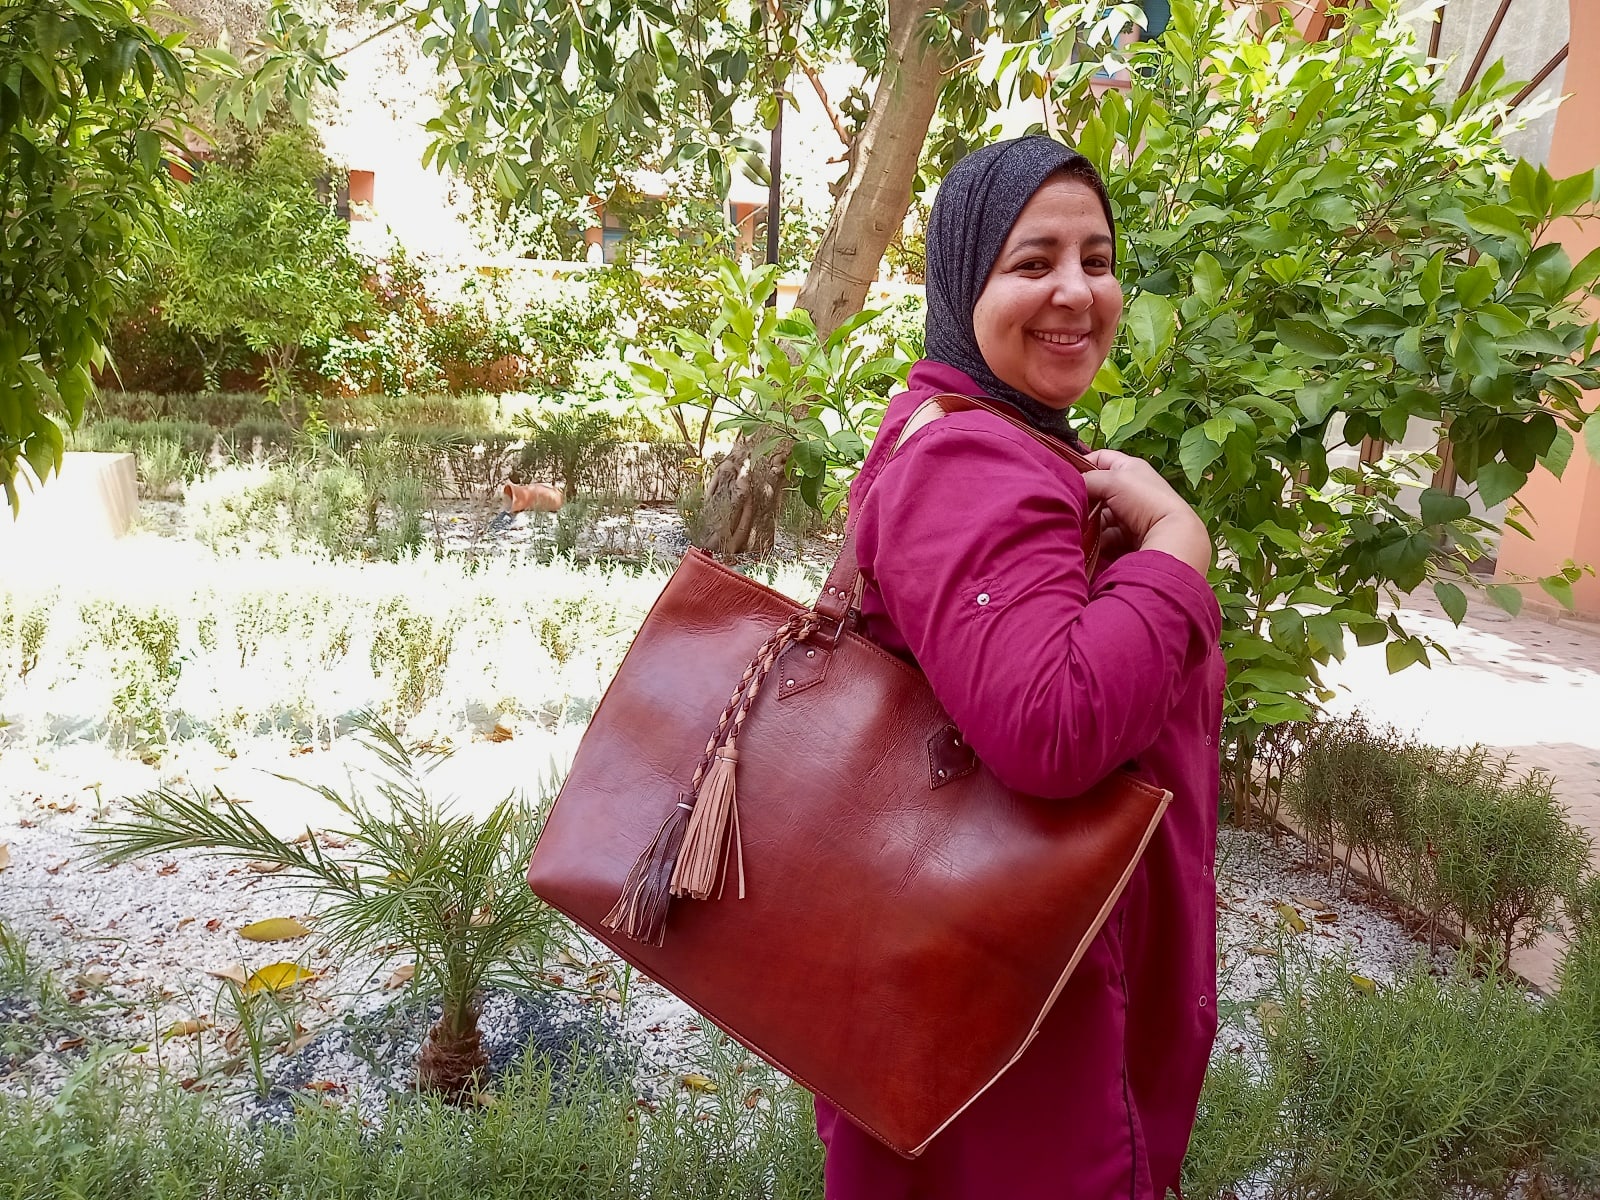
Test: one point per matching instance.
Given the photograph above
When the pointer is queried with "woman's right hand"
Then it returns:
(1146, 511)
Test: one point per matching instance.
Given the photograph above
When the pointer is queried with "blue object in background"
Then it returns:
(1157, 13)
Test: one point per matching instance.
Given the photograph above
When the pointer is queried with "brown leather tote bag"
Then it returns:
(874, 914)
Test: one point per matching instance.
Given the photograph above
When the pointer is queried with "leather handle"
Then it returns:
(841, 594)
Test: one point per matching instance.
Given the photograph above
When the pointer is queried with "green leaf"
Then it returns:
(1208, 278)
(1152, 323)
(1310, 338)
(1403, 652)
(1497, 221)
(1440, 507)
(1474, 285)
(1115, 413)
(1505, 596)
(1585, 273)
(1498, 482)
(1196, 452)
(1431, 282)
(1591, 436)
(1558, 589)
(1572, 194)
(1453, 600)
(1476, 352)
(1556, 458)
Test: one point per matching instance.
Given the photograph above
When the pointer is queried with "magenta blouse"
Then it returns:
(970, 545)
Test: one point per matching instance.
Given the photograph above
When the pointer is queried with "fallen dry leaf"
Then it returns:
(5, 855)
(752, 1098)
(696, 1082)
(1270, 1013)
(325, 1085)
(187, 1028)
(565, 956)
(1263, 951)
(500, 733)
(1325, 917)
(95, 978)
(182, 921)
(275, 977)
(170, 868)
(262, 867)
(1290, 917)
(56, 870)
(298, 1044)
(1363, 984)
(71, 1043)
(612, 995)
(273, 929)
(235, 973)
(1312, 903)
(401, 977)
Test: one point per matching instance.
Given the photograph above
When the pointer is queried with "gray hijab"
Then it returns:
(977, 204)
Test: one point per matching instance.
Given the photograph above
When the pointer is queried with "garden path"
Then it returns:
(1528, 685)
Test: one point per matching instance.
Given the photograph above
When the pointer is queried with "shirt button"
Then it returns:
(983, 597)
(1202, 1001)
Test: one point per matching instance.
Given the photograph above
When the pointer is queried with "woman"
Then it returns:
(970, 544)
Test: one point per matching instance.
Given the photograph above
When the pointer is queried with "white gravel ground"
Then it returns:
(132, 945)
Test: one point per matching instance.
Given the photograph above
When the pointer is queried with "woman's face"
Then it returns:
(1048, 314)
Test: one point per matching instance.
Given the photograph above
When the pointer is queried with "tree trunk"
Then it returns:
(742, 495)
(452, 1055)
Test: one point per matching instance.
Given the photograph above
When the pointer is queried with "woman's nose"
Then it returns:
(1072, 289)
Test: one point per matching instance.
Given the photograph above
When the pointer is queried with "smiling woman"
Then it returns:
(1057, 671)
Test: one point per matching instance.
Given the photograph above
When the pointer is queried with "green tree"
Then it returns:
(560, 99)
(91, 101)
(257, 249)
(1319, 246)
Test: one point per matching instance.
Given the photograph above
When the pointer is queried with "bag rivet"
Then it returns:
(788, 683)
(811, 653)
(983, 597)
(942, 774)
(957, 741)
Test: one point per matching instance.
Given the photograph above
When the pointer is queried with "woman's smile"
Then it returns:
(1048, 313)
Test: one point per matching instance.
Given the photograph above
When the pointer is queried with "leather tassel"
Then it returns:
(712, 825)
(641, 911)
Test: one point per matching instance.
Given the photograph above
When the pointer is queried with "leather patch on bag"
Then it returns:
(799, 667)
(949, 757)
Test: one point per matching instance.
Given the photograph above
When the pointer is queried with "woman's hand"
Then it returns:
(1145, 513)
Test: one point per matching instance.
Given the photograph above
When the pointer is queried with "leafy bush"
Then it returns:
(1426, 1088)
(282, 510)
(1457, 834)
(1320, 244)
(1499, 851)
(819, 399)
(1354, 786)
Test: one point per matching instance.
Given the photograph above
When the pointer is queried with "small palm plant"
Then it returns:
(446, 886)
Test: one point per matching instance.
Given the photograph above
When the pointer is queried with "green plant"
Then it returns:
(571, 441)
(1425, 1088)
(1320, 245)
(413, 651)
(256, 250)
(1238, 1129)
(1354, 786)
(447, 887)
(1499, 851)
(265, 1019)
(162, 463)
(94, 102)
(814, 401)
(142, 646)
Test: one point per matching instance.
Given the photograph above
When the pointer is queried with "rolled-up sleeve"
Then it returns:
(972, 536)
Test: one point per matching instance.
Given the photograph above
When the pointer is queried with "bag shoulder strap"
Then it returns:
(841, 594)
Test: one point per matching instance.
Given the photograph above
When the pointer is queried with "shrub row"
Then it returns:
(1423, 1089)
(1458, 835)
